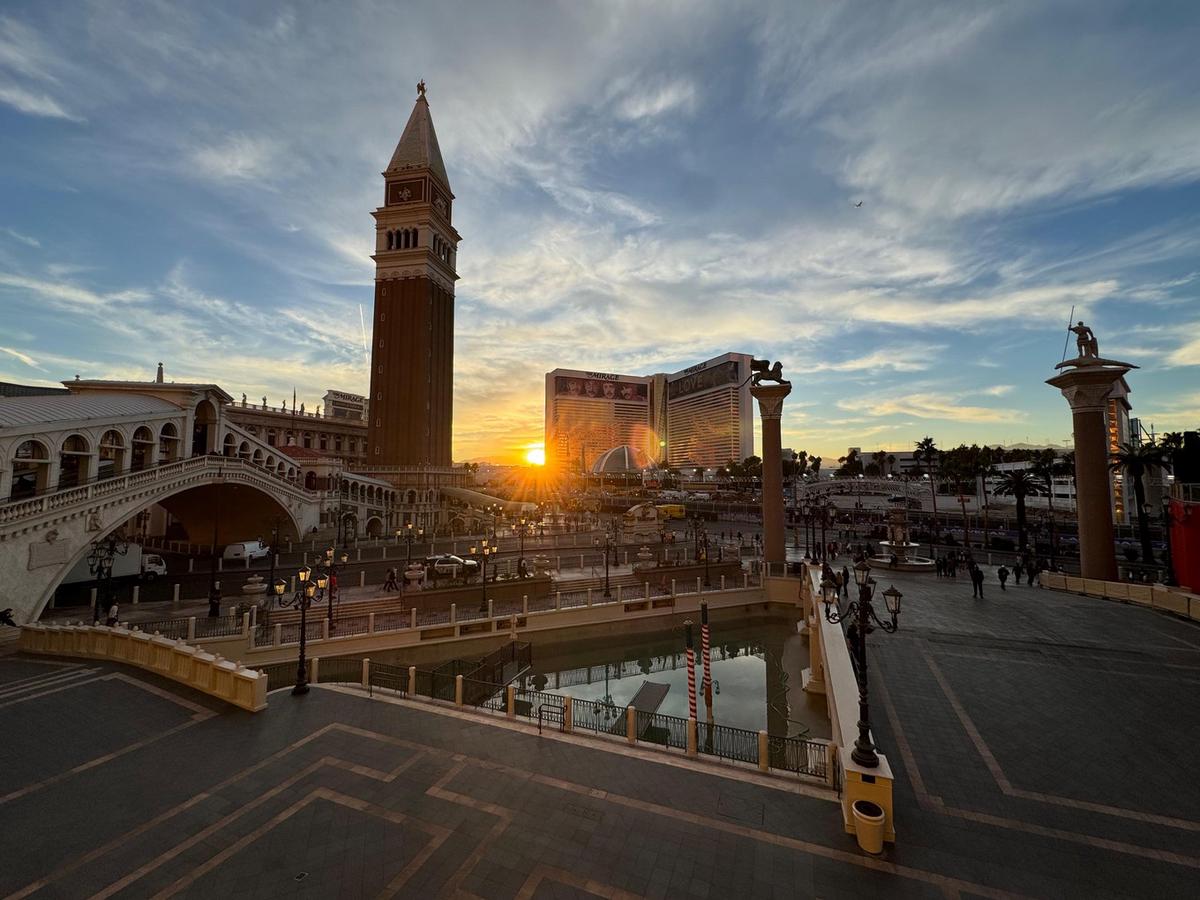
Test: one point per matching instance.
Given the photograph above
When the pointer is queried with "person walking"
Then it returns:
(389, 582)
(845, 582)
(977, 582)
(940, 565)
(111, 621)
(1002, 574)
(1017, 570)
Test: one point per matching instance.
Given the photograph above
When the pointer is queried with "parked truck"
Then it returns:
(131, 564)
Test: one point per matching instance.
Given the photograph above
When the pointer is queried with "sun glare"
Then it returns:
(536, 455)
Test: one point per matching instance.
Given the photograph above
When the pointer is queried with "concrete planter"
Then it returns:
(868, 825)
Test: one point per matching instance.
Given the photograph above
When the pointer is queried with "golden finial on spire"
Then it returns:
(421, 88)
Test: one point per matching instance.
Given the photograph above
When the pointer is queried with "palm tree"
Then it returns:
(1019, 483)
(927, 452)
(1045, 467)
(880, 460)
(891, 463)
(986, 467)
(814, 466)
(1136, 463)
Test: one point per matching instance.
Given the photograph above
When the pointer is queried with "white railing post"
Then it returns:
(324, 629)
(370, 623)
(277, 639)
(137, 593)
(362, 578)
(646, 584)
(722, 582)
(558, 600)
(366, 673)
(525, 604)
(589, 596)
(175, 594)
(453, 613)
(191, 628)
(745, 580)
(491, 609)
(412, 619)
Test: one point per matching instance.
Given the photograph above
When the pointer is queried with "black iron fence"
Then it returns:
(485, 694)
(168, 628)
(799, 755)
(727, 742)
(340, 670)
(598, 716)
(221, 626)
(657, 728)
(391, 678)
(279, 675)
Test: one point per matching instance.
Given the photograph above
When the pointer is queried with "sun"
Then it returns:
(535, 455)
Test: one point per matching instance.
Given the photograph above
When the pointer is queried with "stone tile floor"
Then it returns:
(1042, 745)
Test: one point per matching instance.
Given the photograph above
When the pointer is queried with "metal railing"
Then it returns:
(527, 703)
(340, 670)
(484, 694)
(168, 628)
(727, 742)
(391, 678)
(279, 675)
(658, 728)
(799, 755)
(221, 626)
(597, 716)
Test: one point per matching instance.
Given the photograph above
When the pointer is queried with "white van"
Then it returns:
(247, 550)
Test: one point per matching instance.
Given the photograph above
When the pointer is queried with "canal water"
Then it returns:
(756, 670)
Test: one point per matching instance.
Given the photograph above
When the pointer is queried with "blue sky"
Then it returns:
(640, 186)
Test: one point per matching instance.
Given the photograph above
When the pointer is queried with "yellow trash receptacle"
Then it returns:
(868, 825)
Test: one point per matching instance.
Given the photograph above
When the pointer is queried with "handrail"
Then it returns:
(232, 467)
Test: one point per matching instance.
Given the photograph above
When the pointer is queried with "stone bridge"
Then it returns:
(903, 487)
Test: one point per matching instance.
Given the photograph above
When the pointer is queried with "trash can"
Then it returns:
(868, 825)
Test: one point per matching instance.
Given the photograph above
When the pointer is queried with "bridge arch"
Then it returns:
(40, 554)
(31, 469)
(142, 454)
(74, 460)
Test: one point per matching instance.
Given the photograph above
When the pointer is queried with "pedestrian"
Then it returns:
(977, 582)
(1002, 574)
(111, 621)
(940, 565)
(839, 585)
(845, 582)
(1030, 574)
(389, 581)
(1017, 570)
(6, 618)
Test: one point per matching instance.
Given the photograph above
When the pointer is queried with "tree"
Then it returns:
(815, 467)
(851, 464)
(1019, 483)
(986, 469)
(1046, 467)
(891, 464)
(1136, 462)
(927, 453)
(879, 458)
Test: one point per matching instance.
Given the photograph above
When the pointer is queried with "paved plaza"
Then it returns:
(1041, 745)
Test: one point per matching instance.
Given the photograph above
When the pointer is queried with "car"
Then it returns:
(447, 565)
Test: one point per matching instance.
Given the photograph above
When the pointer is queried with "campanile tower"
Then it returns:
(412, 351)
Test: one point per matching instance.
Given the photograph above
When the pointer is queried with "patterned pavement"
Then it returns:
(1041, 744)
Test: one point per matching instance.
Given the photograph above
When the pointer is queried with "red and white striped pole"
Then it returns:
(708, 682)
(691, 667)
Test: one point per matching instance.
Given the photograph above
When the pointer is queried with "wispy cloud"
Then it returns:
(23, 357)
(23, 238)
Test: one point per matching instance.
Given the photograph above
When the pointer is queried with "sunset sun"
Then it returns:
(535, 455)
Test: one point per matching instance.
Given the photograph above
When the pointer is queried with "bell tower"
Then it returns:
(412, 350)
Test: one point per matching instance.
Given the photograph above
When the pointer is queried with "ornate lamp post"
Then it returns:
(301, 600)
(522, 528)
(329, 577)
(482, 554)
(410, 535)
(608, 542)
(100, 562)
(704, 539)
(862, 617)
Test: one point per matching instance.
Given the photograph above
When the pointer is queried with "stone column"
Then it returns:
(1086, 389)
(770, 399)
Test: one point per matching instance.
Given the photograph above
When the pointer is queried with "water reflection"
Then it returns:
(755, 668)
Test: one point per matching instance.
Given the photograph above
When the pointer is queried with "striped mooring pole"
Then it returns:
(708, 682)
(691, 667)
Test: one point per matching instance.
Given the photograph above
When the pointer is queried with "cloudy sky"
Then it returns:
(640, 186)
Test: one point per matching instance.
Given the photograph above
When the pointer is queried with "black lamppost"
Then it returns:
(607, 546)
(410, 534)
(100, 562)
(329, 578)
(266, 609)
(704, 538)
(214, 590)
(1168, 559)
(862, 616)
(482, 555)
(522, 527)
(301, 600)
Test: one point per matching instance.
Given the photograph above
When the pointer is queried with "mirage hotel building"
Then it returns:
(699, 416)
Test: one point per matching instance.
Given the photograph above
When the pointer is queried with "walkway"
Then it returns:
(1041, 742)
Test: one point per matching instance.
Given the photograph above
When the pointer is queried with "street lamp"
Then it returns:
(329, 577)
(607, 546)
(704, 538)
(410, 535)
(301, 600)
(862, 618)
(522, 527)
(100, 561)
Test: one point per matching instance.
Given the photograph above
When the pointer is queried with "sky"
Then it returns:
(639, 186)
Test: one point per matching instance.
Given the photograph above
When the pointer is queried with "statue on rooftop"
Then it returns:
(1085, 340)
(761, 370)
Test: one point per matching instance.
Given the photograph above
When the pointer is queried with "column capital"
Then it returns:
(770, 399)
(1087, 389)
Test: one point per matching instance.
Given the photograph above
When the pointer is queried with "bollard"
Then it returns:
(289, 543)
(618, 593)
(370, 623)
(247, 562)
(525, 604)
(722, 582)
(191, 628)
(412, 618)
(458, 690)
(764, 757)
(278, 639)
(510, 701)
(292, 584)
(191, 565)
(672, 587)
(276, 566)
(589, 596)
(691, 737)
(646, 585)
(491, 609)
(631, 724)
(745, 580)
(314, 669)
(568, 713)
(580, 560)
(558, 563)
(366, 676)
(245, 624)
(626, 557)
(453, 613)
(175, 594)
(698, 584)
(362, 578)
(304, 558)
(412, 679)
(324, 629)
(137, 593)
